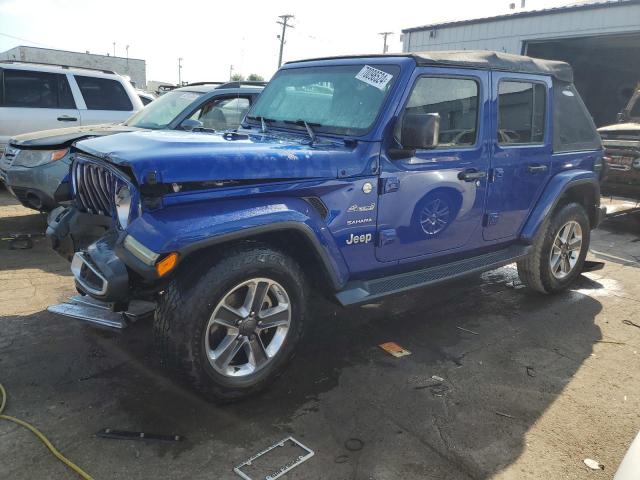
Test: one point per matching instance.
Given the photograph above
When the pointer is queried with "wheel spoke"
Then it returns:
(566, 266)
(255, 296)
(257, 354)
(228, 316)
(274, 317)
(575, 243)
(556, 263)
(227, 350)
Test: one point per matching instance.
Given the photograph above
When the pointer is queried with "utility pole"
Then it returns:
(285, 19)
(385, 35)
(127, 49)
(114, 49)
(230, 72)
(180, 72)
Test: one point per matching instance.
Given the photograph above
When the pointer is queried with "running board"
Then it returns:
(83, 307)
(360, 291)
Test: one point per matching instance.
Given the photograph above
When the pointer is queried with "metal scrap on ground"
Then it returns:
(394, 349)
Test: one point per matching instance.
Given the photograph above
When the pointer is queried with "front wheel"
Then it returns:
(231, 331)
(559, 251)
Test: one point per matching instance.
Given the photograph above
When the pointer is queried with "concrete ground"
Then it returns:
(531, 385)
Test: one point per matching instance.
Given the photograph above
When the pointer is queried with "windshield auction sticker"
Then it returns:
(374, 77)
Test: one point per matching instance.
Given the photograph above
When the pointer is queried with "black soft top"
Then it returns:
(482, 59)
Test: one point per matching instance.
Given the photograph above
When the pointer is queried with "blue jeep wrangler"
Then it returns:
(357, 177)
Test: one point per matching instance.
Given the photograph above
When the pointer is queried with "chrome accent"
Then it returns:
(95, 186)
(79, 261)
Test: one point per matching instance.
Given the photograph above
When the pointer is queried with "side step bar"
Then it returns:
(366, 290)
(102, 314)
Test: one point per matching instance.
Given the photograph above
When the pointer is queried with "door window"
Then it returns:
(222, 113)
(29, 89)
(103, 94)
(521, 112)
(455, 100)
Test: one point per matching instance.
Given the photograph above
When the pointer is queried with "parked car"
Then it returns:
(37, 97)
(145, 97)
(336, 184)
(621, 175)
(36, 165)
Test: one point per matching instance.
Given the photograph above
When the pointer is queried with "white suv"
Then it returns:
(37, 97)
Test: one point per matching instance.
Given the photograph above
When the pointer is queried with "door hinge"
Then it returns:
(389, 184)
(387, 236)
(490, 219)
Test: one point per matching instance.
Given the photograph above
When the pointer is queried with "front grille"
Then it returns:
(95, 186)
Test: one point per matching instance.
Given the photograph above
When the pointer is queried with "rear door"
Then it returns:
(106, 100)
(31, 101)
(522, 148)
(432, 202)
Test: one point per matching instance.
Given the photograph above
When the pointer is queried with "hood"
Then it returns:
(627, 126)
(179, 157)
(63, 137)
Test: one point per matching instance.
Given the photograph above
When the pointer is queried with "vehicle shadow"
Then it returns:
(486, 361)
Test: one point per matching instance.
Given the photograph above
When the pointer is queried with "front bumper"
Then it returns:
(40, 188)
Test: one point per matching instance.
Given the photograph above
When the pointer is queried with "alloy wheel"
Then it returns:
(565, 250)
(248, 327)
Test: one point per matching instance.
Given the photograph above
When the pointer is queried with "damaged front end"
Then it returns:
(114, 285)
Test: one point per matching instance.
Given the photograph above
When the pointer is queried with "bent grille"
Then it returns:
(95, 187)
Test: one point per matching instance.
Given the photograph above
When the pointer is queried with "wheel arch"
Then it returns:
(579, 186)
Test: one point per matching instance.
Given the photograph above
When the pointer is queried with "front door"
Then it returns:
(521, 152)
(432, 202)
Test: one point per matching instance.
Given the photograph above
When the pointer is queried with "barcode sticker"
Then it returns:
(374, 77)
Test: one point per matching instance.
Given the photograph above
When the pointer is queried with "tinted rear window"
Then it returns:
(28, 89)
(103, 94)
(573, 127)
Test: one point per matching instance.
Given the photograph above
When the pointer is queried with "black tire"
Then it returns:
(535, 270)
(190, 299)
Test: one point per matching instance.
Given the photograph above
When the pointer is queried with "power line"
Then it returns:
(25, 40)
(285, 19)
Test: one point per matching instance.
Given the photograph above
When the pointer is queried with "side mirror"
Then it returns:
(190, 124)
(420, 130)
(621, 117)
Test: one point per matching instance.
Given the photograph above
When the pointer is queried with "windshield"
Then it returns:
(342, 99)
(161, 112)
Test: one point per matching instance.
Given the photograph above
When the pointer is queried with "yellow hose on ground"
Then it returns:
(40, 435)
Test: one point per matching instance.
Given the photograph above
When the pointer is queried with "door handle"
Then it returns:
(471, 175)
(67, 118)
(537, 168)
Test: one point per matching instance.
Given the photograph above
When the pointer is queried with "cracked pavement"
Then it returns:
(545, 383)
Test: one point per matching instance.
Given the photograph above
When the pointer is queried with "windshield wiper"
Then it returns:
(263, 122)
(307, 125)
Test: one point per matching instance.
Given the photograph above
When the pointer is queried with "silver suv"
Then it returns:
(36, 97)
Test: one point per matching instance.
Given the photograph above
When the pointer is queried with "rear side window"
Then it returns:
(573, 127)
(222, 113)
(103, 94)
(36, 90)
(455, 100)
(521, 112)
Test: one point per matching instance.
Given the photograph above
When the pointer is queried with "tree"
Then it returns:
(237, 77)
(254, 77)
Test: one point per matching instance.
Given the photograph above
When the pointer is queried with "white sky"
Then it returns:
(211, 35)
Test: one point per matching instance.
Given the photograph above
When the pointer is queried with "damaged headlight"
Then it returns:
(123, 205)
(139, 251)
(35, 158)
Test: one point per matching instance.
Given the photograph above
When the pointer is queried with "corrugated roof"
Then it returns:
(530, 13)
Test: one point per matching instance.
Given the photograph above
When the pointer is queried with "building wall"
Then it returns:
(136, 69)
(508, 34)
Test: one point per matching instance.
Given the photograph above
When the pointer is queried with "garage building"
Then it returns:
(600, 40)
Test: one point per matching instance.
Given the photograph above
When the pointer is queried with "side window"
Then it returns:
(455, 100)
(521, 112)
(222, 113)
(65, 97)
(30, 89)
(103, 94)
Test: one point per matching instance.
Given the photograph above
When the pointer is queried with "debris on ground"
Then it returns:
(394, 349)
(531, 371)
(516, 284)
(593, 465)
(128, 435)
(354, 444)
(506, 415)
(630, 323)
(274, 461)
(437, 378)
(467, 330)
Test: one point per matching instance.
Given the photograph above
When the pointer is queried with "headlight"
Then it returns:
(123, 205)
(35, 158)
(139, 251)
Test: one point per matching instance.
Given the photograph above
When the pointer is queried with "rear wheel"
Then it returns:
(231, 331)
(559, 251)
